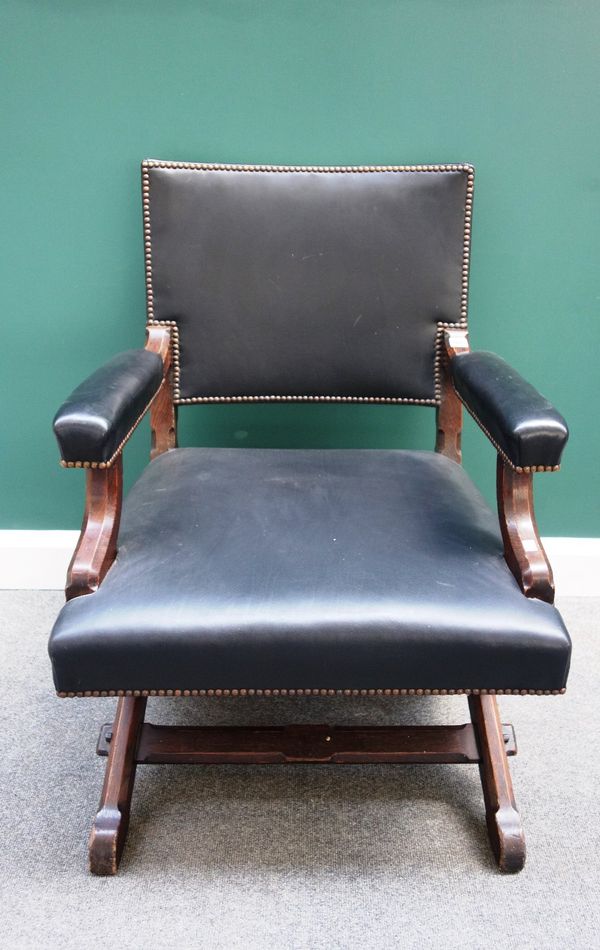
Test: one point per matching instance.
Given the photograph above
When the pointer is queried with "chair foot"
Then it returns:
(107, 839)
(503, 820)
(109, 831)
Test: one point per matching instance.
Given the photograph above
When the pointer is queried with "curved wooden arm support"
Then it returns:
(163, 412)
(97, 545)
(523, 549)
(449, 411)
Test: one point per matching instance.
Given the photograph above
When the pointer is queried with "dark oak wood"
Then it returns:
(163, 412)
(109, 830)
(523, 549)
(503, 820)
(317, 744)
(449, 412)
(97, 545)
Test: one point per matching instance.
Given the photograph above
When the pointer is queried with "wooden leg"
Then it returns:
(109, 830)
(503, 820)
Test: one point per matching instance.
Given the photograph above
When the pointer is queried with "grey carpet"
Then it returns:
(296, 857)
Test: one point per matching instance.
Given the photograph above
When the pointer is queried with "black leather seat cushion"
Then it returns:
(308, 569)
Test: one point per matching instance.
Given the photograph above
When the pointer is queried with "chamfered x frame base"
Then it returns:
(129, 741)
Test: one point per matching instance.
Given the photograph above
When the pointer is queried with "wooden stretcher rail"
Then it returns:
(317, 744)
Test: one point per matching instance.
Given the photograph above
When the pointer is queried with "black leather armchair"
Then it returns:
(241, 572)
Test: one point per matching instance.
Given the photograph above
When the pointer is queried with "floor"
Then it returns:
(297, 857)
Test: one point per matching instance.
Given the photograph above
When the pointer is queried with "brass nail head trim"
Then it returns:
(310, 691)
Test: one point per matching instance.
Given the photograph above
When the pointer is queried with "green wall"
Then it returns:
(91, 88)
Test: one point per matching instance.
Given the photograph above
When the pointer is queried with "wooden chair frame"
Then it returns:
(130, 741)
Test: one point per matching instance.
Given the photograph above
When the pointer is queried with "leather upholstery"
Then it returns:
(98, 415)
(304, 283)
(286, 568)
(525, 426)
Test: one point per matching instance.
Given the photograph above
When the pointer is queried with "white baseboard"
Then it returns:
(35, 560)
(575, 565)
(38, 560)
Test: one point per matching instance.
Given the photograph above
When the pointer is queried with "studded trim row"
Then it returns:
(235, 693)
(328, 169)
(522, 469)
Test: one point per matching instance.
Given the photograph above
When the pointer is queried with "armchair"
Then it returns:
(270, 572)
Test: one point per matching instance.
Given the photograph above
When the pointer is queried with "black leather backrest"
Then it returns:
(307, 283)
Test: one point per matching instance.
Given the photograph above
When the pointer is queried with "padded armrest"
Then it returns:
(97, 418)
(525, 428)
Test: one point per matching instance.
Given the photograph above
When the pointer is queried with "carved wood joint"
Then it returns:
(449, 411)
(163, 414)
(523, 549)
(159, 341)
